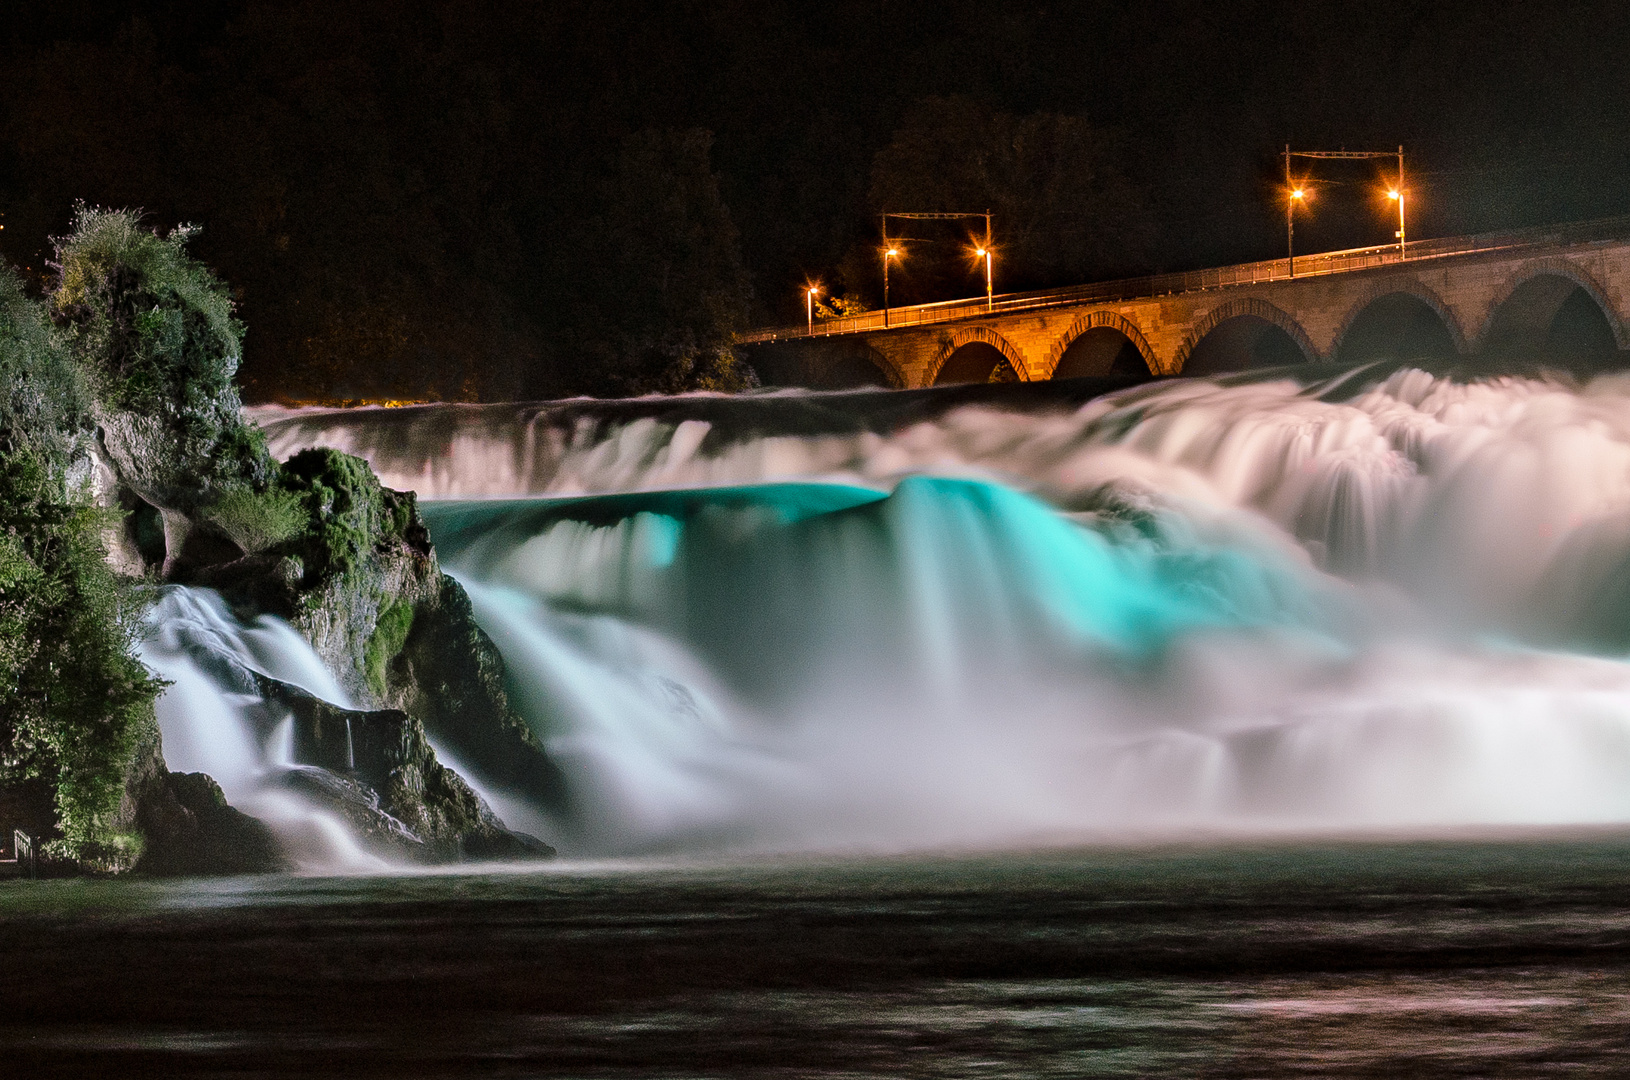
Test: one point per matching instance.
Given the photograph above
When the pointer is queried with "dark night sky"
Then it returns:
(426, 163)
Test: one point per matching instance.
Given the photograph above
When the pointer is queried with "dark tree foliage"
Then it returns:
(651, 279)
(73, 697)
(1064, 211)
(393, 186)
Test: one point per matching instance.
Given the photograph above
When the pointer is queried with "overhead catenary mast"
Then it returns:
(1295, 194)
(982, 251)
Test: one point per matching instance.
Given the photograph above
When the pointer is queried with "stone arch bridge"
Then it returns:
(1558, 295)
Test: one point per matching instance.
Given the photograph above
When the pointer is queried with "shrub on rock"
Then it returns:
(155, 338)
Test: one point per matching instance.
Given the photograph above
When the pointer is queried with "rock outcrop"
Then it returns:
(362, 584)
(378, 772)
(120, 391)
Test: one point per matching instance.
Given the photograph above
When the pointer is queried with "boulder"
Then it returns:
(450, 676)
(377, 769)
(186, 826)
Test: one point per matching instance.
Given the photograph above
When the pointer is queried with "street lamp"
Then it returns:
(890, 253)
(1296, 195)
(1397, 195)
(984, 253)
(809, 298)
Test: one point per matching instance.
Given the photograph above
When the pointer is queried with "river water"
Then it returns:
(1260, 726)
(1475, 957)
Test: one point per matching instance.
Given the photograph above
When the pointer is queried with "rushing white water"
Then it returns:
(1246, 605)
(213, 720)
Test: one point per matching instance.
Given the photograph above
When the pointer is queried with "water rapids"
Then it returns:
(1384, 600)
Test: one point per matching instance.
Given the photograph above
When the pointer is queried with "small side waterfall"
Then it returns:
(214, 719)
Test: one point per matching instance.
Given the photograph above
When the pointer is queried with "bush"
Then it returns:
(44, 407)
(257, 521)
(152, 330)
(74, 699)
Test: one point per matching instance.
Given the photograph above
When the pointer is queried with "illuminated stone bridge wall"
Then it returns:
(1534, 300)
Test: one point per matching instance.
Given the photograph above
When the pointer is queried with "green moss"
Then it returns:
(390, 634)
(348, 514)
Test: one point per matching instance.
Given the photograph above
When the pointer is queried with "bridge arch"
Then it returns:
(976, 354)
(1552, 309)
(828, 363)
(864, 353)
(1093, 346)
(1250, 326)
(1400, 318)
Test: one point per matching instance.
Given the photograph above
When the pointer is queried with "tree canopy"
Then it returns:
(418, 198)
(1064, 210)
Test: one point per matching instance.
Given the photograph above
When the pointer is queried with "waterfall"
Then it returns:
(213, 718)
(1387, 600)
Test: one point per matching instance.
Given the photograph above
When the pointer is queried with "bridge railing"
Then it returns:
(1329, 262)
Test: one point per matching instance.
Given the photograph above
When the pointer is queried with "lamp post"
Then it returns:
(1398, 197)
(1397, 194)
(809, 303)
(984, 253)
(1296, 196)
(888, 253)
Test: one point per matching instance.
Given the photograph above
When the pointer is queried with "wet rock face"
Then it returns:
(366, 590)
(187, 827)
(356, 804)
(316, 540)
(449, 675)
(377, 771)
(361, 583)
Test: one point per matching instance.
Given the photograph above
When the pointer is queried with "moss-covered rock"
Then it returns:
(362, 584)
(123, 459)
(351, 566)
(154, 336)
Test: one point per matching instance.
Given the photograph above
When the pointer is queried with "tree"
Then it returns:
(650, 282)
(73, 697)
(1064, 211)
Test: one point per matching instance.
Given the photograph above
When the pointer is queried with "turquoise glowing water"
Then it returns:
(816, 666)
